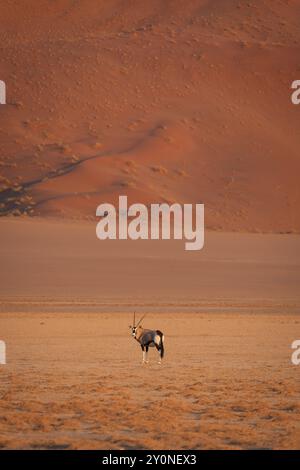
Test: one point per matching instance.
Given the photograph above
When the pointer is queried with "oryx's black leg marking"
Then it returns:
(145, 351)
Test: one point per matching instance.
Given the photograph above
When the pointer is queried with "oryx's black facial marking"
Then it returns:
(133, 331)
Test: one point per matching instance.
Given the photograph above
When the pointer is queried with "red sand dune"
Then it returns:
(184, 101)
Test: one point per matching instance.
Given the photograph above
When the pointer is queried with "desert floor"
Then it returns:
(162, 101)
(74, 377)
(76, 381)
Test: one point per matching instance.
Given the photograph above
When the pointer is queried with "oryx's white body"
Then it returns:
(148, 338)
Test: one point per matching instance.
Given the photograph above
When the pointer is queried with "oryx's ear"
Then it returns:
(130, 327)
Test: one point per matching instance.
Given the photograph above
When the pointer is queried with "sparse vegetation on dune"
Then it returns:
(199, 96)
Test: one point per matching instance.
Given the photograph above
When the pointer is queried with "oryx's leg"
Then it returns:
(146, 354)
(145, 351)
(159, 352)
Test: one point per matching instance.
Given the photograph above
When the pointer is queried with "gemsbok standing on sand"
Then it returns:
(148, 338)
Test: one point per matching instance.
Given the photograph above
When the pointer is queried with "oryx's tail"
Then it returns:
(161, 343)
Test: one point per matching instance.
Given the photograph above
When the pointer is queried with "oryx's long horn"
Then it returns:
(134, 319)
(141, 319)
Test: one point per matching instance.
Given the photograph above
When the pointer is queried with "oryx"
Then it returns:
(148, 338)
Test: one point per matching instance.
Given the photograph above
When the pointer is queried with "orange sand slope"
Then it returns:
(183, 101)
(76, 381)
